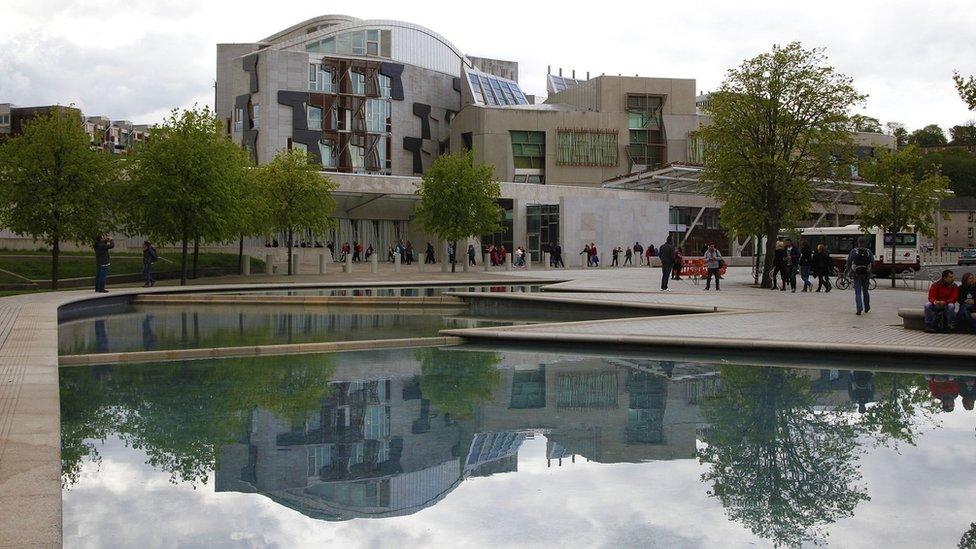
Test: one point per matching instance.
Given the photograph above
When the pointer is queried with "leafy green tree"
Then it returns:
(929, 136)
(779, 463)
(778, 122)
(958, 165)
(905, 193)
(188, 179)
(296, 196)
(966, 88)
(963, 134)
(458, 199)
(898, 131)
(861, 123)
(54, 187)
(456, 381)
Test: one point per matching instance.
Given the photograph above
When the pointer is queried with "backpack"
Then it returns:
(862, 261)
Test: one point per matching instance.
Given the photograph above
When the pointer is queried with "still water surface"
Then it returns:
(456, 447)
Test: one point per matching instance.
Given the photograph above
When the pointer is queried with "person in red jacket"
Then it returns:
(940, 311)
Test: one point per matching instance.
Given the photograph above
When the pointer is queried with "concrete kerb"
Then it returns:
(549, 298)
(256, 350)
(296, 300)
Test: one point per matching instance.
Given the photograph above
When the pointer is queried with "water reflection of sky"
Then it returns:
(645, 492)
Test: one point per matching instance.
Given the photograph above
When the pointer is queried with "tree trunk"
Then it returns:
(183, 259)
(196, 255)
(756, 277)
(290, 243)
(453, 257)
(240, 256)
(55, 262)
(767, 280)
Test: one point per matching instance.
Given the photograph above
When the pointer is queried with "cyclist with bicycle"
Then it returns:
(859, 263)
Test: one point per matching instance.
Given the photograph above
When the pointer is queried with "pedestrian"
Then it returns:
(679, 260)
(102, 245)
(940, 311)
(519, 257)
(639, 252)
(651, 250)
(493, 255)
(429, 254)
(859, 263)
(615, 253)
(822, 267)
(806, 264)
(666, 253)
(471, 254)
(594, 256)
(357, 250)
(558, 251)
(648, 253)
(586, 252)
(713, 262)
(779, 265)
(792, 257)
(149, 257)
(345, 251)
(408, 252)
(629, 257)
(451, 253)
(369, 252)
(502, 254)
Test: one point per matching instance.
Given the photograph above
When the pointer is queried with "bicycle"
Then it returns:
(842, 281)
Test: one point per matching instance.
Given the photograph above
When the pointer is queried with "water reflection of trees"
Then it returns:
(783, 460)
(180, 413)
(780, 464)
(456, 382)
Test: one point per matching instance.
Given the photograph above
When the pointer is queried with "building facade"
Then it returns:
(955, 226)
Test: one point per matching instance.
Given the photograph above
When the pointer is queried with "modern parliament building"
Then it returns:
(609, 159)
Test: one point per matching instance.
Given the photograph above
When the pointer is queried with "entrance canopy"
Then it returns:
(687, 179)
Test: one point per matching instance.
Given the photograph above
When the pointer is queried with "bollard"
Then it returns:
(466, 263)
(508, 262)
(269, 264)
(486, 262)
(374, 263)
(421, 266)
(546, 261)
(322, 264)
(583, 258)
(294, 263)
(528, 261)
(246, 266)
(348, 263)
(396, 262)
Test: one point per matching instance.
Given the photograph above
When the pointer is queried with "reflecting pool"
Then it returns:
(398, 291)
(158, 327)
(460, 447)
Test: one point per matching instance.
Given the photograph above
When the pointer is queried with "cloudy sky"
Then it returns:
(137, 59)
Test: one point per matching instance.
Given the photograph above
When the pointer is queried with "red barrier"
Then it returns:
(695, 267)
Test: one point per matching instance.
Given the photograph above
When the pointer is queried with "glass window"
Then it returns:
(358, 156)
(327, 151)
(376, 423)
(358, 43)
(328, 45)
(377, 113)
(372, 48)
(529, 150)
(238, 119)
(314, 118)
(299, 146)
(373, 35)
(386, 86)
(256, 116)
(358, 81)
(476, 88)
(489, 94)
(497, 89)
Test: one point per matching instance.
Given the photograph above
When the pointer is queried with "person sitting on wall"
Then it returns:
(967, 303)
(940, 311)
(945, 389)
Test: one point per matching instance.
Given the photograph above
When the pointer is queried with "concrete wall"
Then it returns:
(610, 222)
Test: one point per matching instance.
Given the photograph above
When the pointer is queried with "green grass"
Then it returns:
(82, 264)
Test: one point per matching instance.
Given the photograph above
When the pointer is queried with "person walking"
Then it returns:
(648, 253)
(102, 245)
(149, 257)
(713, 262)
(471, 254)
(779, 265)
(594, 256)
(639, 252)
(859, 263)
(792, 257)
(629, 257)
(615, 253)
(520, 257)
(666, 253)
(806, 264)
(429, 254)
(558, 255)
(679, 260)
(822, 267)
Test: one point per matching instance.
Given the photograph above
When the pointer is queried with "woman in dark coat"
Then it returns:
(779, 265)
(822, 267)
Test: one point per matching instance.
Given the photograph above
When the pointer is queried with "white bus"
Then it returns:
(839, 242)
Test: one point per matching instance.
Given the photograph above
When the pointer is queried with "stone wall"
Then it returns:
(610, 222)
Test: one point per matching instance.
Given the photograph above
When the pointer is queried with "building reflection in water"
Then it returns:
(379, 448)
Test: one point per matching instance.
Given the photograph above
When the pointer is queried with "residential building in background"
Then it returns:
(116, 137)
(955, 226)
